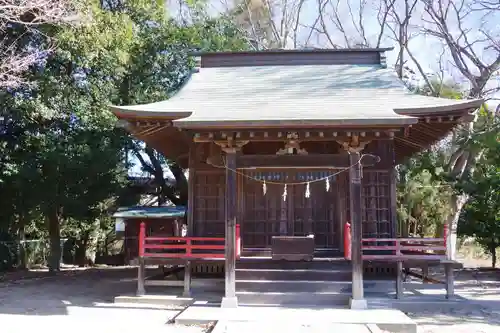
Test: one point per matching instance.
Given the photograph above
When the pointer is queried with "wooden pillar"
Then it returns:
(394, 206)
(341, 208)
(141, 277)
(357, 300)
(187, 279)
(230, 300)
(399, 280)
(450, 280)
(191, 188)
(141, 270)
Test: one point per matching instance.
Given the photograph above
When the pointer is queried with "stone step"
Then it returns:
(337, 274)
(303, 286)
(256, 263)
(316, 299)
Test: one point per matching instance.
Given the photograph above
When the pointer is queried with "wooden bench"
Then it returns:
(292, 248)
(407, 262)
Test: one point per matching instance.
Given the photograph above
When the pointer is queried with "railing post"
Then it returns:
(188, 247)
(142, 238)
(398, 247)
(187, 279)
(142, 267)
(238, 241)
(445, 238)
(347, 240)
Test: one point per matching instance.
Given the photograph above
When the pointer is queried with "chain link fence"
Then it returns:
(36, 253)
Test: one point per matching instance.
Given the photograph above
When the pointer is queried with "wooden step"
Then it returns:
(335, 274)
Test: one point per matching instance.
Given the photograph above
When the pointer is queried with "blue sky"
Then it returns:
(427, 50)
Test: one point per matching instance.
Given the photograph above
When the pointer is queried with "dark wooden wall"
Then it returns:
(268, 215)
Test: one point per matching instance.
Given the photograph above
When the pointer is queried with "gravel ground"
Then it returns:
(82, 299)
(477, 309)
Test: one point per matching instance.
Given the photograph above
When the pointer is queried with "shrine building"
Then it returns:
(287, 146)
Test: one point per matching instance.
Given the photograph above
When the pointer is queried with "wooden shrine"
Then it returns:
(293, 143)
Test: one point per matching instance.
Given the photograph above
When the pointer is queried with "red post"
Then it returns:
(347, 240)
(142, 238)
(238, 241)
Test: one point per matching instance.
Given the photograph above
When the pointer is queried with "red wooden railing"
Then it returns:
(415, 248)
(184, 247)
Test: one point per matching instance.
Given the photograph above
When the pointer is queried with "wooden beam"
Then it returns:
(230, 300)
(191, 189)
(302, 135)
(355, 192)
(290, 161)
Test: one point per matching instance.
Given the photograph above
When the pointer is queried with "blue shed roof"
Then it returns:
(150, 212)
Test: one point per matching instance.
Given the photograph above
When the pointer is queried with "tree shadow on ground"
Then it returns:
(46, 294)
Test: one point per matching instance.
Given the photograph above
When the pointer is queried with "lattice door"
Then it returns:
(269, 215)
(317, 213)
(266, 215)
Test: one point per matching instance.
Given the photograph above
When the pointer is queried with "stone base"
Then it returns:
(155, 300)
(229, 302)
(358, 304)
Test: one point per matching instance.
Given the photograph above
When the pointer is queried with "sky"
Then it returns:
(425, 48)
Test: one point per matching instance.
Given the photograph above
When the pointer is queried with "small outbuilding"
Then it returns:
(168, 221)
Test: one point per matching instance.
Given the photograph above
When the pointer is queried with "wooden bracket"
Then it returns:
(230, 145)
(292, 145)
(354, 145)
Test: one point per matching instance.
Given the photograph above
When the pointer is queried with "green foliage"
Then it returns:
(481, 216)
(423, 199)
(62, 164)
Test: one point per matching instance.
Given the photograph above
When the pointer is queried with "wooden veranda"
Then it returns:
(293, 144)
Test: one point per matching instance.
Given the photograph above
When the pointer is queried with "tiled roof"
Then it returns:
(301, 95)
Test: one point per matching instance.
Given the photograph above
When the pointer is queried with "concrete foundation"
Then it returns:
(155, 300)
(358, 304)
(390, 320)
(260, 327)
(229, 302)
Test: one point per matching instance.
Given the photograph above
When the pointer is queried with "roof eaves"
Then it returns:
(295, 123)
(277, 51)
(140, 111)
(155, 109)
(465, 105)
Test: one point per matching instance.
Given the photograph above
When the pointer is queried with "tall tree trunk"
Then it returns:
(53, 221)
(80, 249)
(457, 203)
(92, 243)
(21, 239)
(493, 250)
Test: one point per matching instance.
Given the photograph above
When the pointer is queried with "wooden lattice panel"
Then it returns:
(209, 203)
(316, 214)
(270, 215)
(265, 215)
(376, 204)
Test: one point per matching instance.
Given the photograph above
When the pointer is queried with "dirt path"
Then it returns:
(477, 309)
(78, 300)
(84, 299)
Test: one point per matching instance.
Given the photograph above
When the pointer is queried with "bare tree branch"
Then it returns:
(30, 14)
(447, 22)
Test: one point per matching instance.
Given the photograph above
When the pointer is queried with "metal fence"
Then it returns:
(36, 252)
